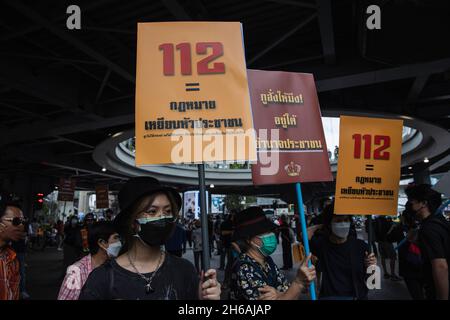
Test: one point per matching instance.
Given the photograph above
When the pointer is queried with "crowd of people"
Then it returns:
(139, 253)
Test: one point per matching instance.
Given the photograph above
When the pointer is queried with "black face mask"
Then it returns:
(156, 233)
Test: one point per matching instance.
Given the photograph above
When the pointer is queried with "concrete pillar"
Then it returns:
(83, 201)
(65, 209)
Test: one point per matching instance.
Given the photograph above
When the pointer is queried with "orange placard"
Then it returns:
(298, 253)
(192, 94)
(369, 160)
(66, 189)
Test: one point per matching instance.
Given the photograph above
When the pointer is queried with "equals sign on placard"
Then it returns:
(193, 86)
(369, 167)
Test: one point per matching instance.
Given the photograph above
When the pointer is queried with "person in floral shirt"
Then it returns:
(255, 275)
(11, 229)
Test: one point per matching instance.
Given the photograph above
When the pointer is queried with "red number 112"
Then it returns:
(201, 48)
(379, 153)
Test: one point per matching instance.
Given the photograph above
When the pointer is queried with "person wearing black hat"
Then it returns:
(255, 275)
(143, 271)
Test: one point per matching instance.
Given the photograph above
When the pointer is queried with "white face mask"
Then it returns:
(340, 229)
(114, 249)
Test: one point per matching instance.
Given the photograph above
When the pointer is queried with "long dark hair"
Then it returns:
(243, 244)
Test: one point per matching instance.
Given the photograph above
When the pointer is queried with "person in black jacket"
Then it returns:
(434, 239)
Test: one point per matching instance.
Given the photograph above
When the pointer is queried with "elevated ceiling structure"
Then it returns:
(65, 92)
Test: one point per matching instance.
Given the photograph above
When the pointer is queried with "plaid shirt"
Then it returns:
(9, 275)
(76, 276)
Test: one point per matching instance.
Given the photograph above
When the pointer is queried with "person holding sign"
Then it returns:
(144, 271)
(256, 276)
(342, 258)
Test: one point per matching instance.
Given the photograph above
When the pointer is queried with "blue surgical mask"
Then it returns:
(114, 249)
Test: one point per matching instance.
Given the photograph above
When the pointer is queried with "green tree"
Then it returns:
(250, 199)
(233, 202)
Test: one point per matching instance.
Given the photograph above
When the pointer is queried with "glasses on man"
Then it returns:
(16, 221)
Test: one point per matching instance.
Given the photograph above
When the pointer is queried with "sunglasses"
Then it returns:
(16, 221)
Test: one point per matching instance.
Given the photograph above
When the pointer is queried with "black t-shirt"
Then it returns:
(176, 279)
(434, 238)
(336, 262)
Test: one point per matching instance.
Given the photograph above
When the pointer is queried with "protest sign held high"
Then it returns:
(291, 143)
(192, 99)
(369, 166)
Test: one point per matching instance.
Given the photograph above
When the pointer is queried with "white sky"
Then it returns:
(331, 130)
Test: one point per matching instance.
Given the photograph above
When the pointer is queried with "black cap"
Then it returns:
(135, 189)
(251, 222)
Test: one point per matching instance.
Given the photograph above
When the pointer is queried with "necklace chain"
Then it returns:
(147, 279)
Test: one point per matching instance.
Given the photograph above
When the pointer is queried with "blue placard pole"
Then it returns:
(312, 287)
(203, 217)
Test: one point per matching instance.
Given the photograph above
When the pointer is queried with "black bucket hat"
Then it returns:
(251, 222)
(135, 189)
